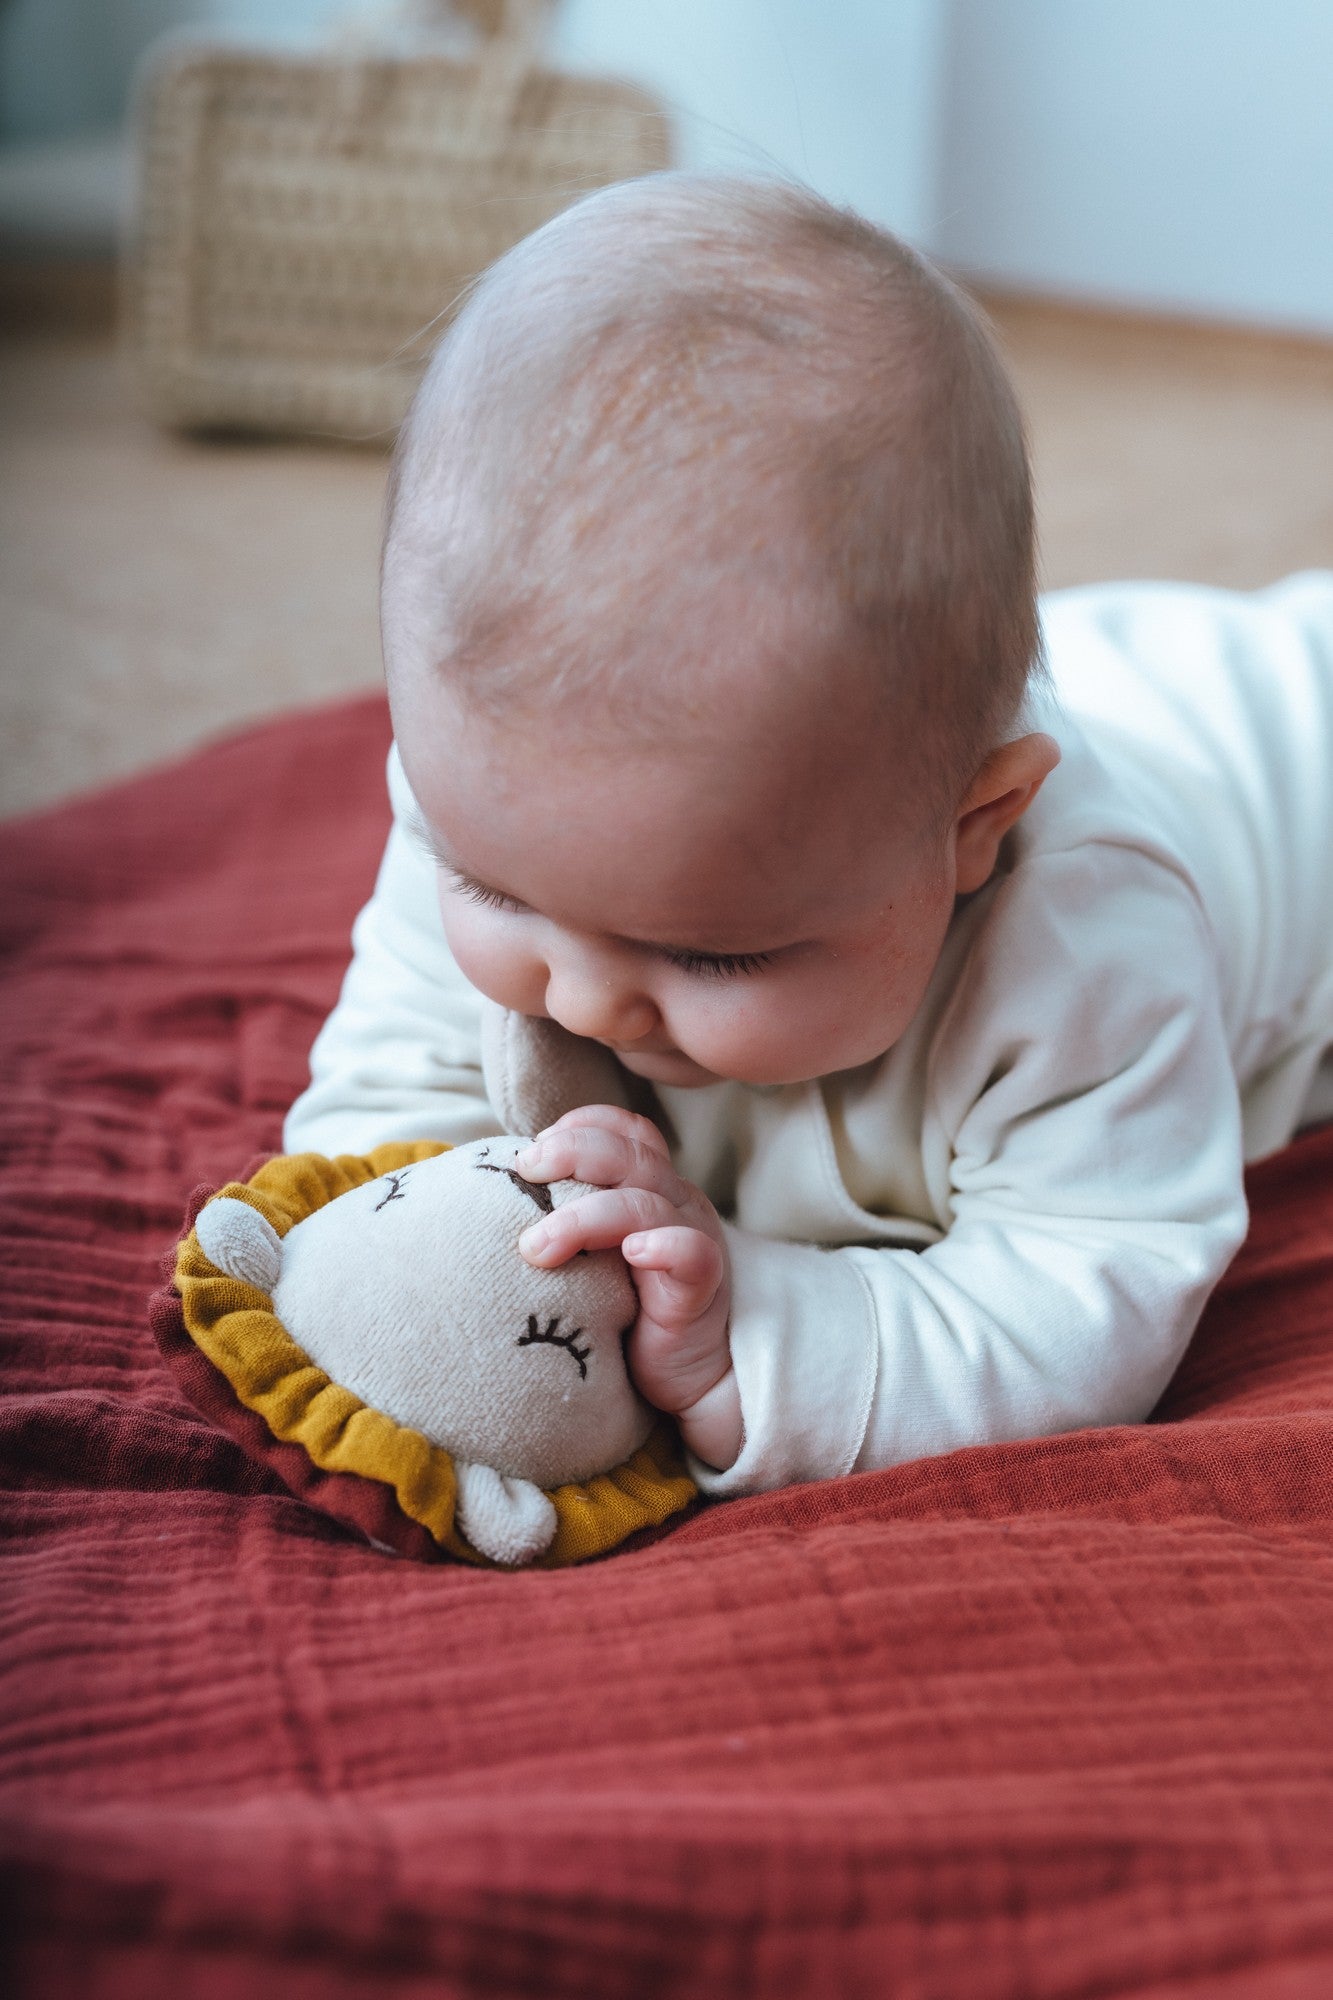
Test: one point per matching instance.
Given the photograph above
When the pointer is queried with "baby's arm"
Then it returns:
(1083, 1102)
(400, 1055)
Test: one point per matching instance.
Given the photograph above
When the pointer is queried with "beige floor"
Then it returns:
(155, 590)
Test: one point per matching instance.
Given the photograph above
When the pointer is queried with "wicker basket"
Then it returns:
(307, 221)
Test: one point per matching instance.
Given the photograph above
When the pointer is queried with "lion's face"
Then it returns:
(410, 1291)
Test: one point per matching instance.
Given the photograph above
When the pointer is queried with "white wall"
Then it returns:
(1165, 153)
(65, 65)
(843, 93)
(1170, 154)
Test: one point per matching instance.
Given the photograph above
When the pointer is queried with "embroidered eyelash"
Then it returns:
(535, 1337)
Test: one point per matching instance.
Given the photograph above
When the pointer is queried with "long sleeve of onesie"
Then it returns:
(400, 1055)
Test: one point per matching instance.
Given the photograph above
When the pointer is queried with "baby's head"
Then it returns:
(708, 616)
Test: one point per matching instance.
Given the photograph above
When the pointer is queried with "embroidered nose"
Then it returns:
(538, 1190)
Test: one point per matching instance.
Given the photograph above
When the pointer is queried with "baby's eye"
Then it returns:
(477, 892)
(720, 965)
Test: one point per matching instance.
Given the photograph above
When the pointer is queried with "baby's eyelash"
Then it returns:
(702, 964)
(477, 892)
(718, 965)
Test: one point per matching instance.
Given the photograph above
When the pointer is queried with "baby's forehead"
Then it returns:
(737, 795)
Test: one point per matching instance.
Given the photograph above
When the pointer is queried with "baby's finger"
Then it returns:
(603, 1157)
(599, 1221)
(612, 1118)
(679, 1272)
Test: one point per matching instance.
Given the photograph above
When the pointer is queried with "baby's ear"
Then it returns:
(240, 1241)
(536, 1071)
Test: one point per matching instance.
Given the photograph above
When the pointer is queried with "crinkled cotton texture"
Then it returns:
(1023, 1722)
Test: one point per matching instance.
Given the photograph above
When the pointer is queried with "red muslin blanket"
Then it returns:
(1049, 1719)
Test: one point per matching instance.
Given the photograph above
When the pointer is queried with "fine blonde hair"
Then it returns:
(691, 388)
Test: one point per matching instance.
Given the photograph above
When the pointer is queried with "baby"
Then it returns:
(964, 983)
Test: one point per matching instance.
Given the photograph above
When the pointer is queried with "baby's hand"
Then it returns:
(669, 1234)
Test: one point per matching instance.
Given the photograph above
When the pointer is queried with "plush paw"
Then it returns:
(509, 1520)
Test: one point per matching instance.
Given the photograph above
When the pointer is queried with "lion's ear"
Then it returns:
(535, 1071)
(509, 1520)
(240, 1241)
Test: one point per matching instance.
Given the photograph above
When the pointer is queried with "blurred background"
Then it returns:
(1139, 191)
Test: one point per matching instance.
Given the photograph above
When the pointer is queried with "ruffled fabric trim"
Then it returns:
(234, 1326)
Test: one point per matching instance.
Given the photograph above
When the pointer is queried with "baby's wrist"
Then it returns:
(712, 1427)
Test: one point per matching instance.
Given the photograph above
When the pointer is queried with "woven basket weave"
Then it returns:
(307, 221)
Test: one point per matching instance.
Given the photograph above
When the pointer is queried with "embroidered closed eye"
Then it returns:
(536, 1336)
(395, 1192)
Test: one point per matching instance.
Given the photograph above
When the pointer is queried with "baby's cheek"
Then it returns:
(748, 1037)
(805, 1021)
(492, 957)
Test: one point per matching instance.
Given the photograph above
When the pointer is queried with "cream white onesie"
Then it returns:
(1007, 1225)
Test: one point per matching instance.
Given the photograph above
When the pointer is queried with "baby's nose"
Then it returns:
(598, 1005)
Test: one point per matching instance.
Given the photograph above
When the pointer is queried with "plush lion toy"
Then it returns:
(367, 1327)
